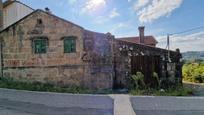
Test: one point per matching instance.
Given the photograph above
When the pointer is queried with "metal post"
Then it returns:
(168, 47)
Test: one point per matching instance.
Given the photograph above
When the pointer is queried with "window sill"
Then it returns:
(75, 54)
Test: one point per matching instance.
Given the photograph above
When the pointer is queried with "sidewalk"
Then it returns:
(122, 105)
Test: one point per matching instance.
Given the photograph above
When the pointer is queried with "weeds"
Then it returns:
(10, 83)
(178, 91)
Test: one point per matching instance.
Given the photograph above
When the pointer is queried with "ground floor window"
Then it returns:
(40, 45)
(69, 44)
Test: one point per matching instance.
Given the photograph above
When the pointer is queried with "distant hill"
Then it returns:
(193, 55)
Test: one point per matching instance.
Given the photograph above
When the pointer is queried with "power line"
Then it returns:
(185, 31)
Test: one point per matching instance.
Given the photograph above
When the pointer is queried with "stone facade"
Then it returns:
(99, 62)
(57, 67)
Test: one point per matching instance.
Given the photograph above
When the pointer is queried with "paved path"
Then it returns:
(36, 103)
(168, 105)
(122, 105)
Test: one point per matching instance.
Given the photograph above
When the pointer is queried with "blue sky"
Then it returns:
(122, 18)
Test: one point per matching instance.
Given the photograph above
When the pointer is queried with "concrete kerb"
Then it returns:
(122, 105)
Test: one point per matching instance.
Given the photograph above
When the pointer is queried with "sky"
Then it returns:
(122, 18)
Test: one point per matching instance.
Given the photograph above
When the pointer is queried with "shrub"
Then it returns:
(194, 72)
(198, 78)
(156, 78)
(138, 80)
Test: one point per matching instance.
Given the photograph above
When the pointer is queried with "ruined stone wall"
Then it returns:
(124, 51)
(99, 57)
(122, 65)
(55, 66)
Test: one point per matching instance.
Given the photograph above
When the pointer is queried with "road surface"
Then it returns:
(13, 102)
(168, 105)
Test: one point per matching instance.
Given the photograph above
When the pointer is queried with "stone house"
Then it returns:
(45, 48)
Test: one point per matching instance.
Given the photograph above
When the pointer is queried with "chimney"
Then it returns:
(141, 34)
(47, 10)
(1, 15)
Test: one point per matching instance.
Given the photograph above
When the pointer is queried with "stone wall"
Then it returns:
(57, 67)
(169, 72)
(100, 61)
(99, 57)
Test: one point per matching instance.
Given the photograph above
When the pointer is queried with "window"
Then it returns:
(39, 21)
(40, 45)
(69, 44)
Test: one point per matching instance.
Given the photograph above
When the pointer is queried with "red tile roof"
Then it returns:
(149, 40)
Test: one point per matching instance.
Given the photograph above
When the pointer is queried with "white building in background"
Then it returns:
(13, 11)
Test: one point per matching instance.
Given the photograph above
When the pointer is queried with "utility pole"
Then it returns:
(172, 34)
(168, 47)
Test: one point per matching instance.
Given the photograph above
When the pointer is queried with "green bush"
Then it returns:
(198, 78)
(194, 71)
(138, 80)
(156, 78)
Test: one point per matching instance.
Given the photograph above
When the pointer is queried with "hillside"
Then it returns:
(193, 55)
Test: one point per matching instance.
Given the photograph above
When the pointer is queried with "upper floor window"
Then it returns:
(39, 21)
(69, 44)
(40, 45)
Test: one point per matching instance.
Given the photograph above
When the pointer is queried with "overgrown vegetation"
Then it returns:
(137, 87)
(10, 83)
(140, 88)
(138, 80)
(193, 71)
(178, 91)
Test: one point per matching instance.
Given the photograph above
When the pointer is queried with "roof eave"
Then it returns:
(39, 10)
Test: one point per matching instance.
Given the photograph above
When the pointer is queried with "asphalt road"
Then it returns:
(14, 102)
(168, 105)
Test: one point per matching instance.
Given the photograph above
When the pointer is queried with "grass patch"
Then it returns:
(10, 83)
(178, 91)
(7, 82)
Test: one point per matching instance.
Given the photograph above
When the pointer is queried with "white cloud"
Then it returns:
(155, 9)
(62, 3)
(106, 18)
(118, 27)
(141, 3)
(101, 19)
(191, 42)
(93, 6)
(129, 0)
(71, 2)
(114, 13)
